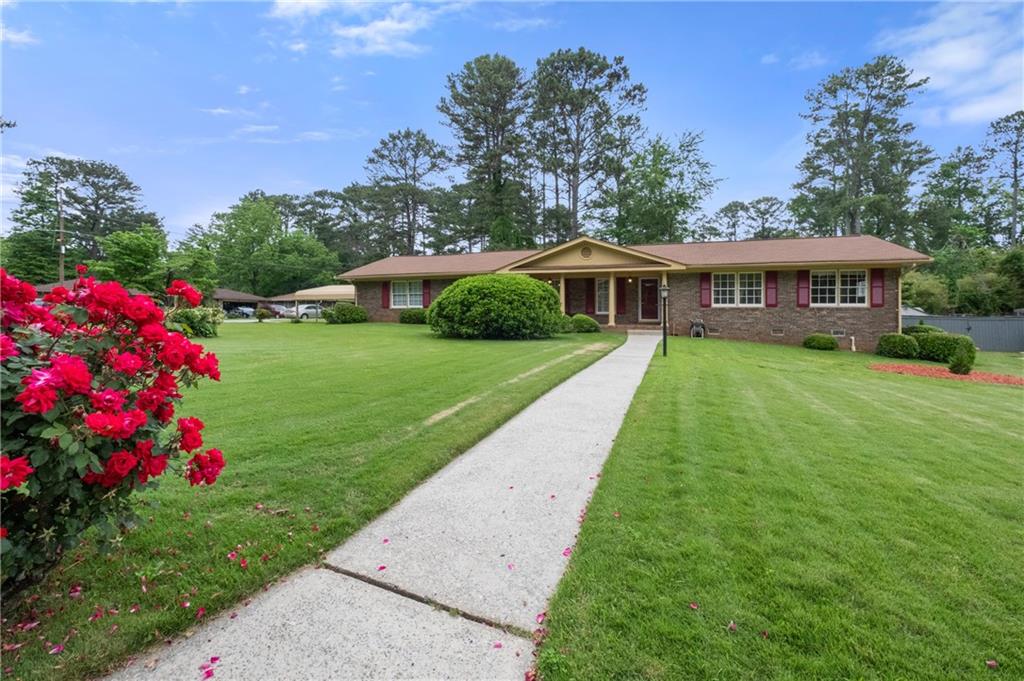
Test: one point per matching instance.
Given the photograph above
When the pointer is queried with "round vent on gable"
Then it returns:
(585, 252)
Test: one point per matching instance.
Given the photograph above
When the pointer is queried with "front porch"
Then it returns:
(617, 286)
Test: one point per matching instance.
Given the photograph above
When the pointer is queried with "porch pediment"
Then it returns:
(587, 254)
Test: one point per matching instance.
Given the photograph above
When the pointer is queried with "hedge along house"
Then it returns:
(777, 290)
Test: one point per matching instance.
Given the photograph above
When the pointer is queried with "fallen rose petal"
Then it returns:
(498, 644)
(511, 566)
(552, 496)
(567, 551)
(265, 557)
(232, 615)
(114, 628)
(991, 664)
(8, 647)
(75, 591)
(385, 541)
(208, 674)
(244, 564)
(259, 507)
(57, 649)
(541, 617)
(200, 612)
(186, 604)
(732, 626)
(382, 568)
(694, 606)
(764, 634)
(134, 608)
(28, 626)
(617, 514)
(214, 660)
(232, 555)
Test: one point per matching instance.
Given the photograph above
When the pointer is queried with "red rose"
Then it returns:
(149, 466)
(73, 372)
(164, 413)
(8, 348)
(13, 472)
(109, 295)
(3, 533)
(108, 399)
(106, 425)
(182, 288)
(120, 464)
(207, 365)
(142, 310)
(153, 333)
(125, 362)
(37, 400)
(205, 468)
(130, 422)
(190, 437)
(57, 295)
(81, 269)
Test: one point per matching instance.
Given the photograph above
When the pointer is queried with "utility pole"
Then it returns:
(60, 237)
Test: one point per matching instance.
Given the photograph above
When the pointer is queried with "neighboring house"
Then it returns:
(772, 290)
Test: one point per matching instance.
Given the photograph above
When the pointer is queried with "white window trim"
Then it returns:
(839, 280)
(736, 290)
(406, 282)
(597, 296)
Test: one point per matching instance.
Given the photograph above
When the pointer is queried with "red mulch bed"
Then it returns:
(943, 372)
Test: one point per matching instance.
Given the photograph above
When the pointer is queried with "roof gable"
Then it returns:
(586, 253)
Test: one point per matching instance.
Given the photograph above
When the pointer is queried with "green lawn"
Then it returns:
(325, 427)
(870, 524)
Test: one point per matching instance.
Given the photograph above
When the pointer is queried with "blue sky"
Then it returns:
(201, 102)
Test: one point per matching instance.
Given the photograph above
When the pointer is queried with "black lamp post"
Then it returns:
(664, 320)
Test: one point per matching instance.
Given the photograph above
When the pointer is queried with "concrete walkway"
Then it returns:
(486, 539)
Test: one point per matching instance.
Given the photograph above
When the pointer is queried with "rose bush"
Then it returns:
(90, 383)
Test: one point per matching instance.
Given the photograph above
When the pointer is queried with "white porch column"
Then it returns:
(561, 291)
(611, 299)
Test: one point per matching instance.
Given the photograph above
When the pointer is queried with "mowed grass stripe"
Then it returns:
(323, 427)
(870, 546)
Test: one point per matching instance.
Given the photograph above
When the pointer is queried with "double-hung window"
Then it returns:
(407, 293)
(853, 287)
(723, 288)
(842, 288)
(742, 289)
(823, 288)
(602, 296)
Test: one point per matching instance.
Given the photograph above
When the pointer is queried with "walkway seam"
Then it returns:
(507, 628)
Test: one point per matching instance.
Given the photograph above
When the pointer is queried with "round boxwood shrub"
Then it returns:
(565, 325)
(496, 306)
(962, 360)
(581, 323)
(939, 347)
(821, 341)
(198, 321)
(415, 315)
(345, 313)
(897, 345)
(921, 327)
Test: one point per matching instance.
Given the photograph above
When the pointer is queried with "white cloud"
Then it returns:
(224, 111)
(770, 58)
(299, 9)
(245, 89)
(298, 46)
(314, 136)
(254, 129)
(338, 84)
(391, 34)
(517, 24)
(811, 59)
(16, 38)
(973, 56)
(11, 168)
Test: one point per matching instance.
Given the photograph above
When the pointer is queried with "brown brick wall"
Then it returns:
(866, 324)
(368, 296)
(757, 324)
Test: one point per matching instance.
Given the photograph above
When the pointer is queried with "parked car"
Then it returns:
(312, 311)
(241, 312)
(278, 311)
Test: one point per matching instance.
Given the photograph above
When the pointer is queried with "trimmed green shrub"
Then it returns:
(939, 347)
(962, 360)
(263, 313)
(198, 321)
(897, 345)
(413, 316)
(565, 325)
(496, 306)
(821, 341)
(345, 313)
(921, 327)
(581, 323)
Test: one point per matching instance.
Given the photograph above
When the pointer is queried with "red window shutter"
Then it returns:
(877, 288)
(705, 289)
(771, 289)
(385, 295)
(590, 296)
(620, 296)
(426, 293)
(803, 288)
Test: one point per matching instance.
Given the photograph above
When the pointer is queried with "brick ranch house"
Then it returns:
(777, 290)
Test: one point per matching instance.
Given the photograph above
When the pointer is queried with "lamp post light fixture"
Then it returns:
(664, 320)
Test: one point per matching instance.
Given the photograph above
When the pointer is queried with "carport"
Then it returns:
(333, 293)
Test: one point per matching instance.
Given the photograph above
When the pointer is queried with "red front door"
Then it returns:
(648, 300)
